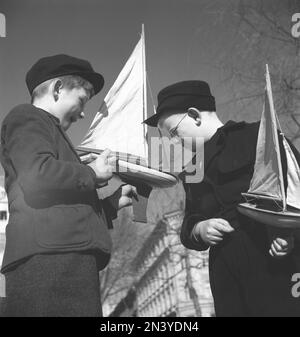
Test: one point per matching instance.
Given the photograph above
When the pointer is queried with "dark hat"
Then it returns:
(61, 65)
(181, 96)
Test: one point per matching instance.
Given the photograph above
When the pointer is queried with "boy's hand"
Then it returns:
(281, 247)
(103, 167)
(88, 158)
(127, 193)
(281, 241)
(212, 231)
(123, 197)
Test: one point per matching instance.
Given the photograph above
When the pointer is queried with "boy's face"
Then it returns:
(180, 126)
(70, 105)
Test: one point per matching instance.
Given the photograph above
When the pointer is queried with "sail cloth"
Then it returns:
(293, 177)
(267, 176)
(118, 124)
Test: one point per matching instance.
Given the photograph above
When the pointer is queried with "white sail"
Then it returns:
(118, 124)
(293, 177)
(267, 178)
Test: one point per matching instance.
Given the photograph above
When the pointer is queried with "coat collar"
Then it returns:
(223, 131)
(217, 144)
(218, 141)
(56, 121)
(231, 125)
(52, 117)
(238, 146)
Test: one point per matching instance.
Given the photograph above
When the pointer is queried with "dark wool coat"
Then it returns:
(53, 204)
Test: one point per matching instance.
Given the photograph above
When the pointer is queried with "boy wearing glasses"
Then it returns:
(251, 265)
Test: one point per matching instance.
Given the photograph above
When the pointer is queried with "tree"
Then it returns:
(128, 237)
(243, 36)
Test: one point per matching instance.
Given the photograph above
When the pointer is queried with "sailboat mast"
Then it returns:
(274, 123)
(144, 89)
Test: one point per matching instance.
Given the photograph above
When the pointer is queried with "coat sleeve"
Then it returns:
(28, 143)
(142, 189)
(191, 218)
(110, 212)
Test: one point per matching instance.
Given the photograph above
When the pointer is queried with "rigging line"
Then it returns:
(279, 125)
(261, 181)
(151, 93)
(279, 206)
(145, 105)
(273, 119)
(283, 138)
(251, 200)
(163, 148)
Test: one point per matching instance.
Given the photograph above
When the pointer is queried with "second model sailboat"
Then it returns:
(274, 194)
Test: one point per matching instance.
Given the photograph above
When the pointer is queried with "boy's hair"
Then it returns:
(68, 81)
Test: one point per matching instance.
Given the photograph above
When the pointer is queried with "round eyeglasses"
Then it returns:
(173, 131)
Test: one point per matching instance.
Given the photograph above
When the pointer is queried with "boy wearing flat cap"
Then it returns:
(250, 265)
(57, 236)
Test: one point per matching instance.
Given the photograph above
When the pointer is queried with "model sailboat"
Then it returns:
(118, 124)
(268, 199)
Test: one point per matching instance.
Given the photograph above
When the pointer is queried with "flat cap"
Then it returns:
(181, 96)
(54, 66)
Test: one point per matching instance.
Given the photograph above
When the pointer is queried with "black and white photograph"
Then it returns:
(150, 161)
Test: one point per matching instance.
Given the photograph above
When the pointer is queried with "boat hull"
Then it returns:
(273, 218)
(141, 174)
(135, 168)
